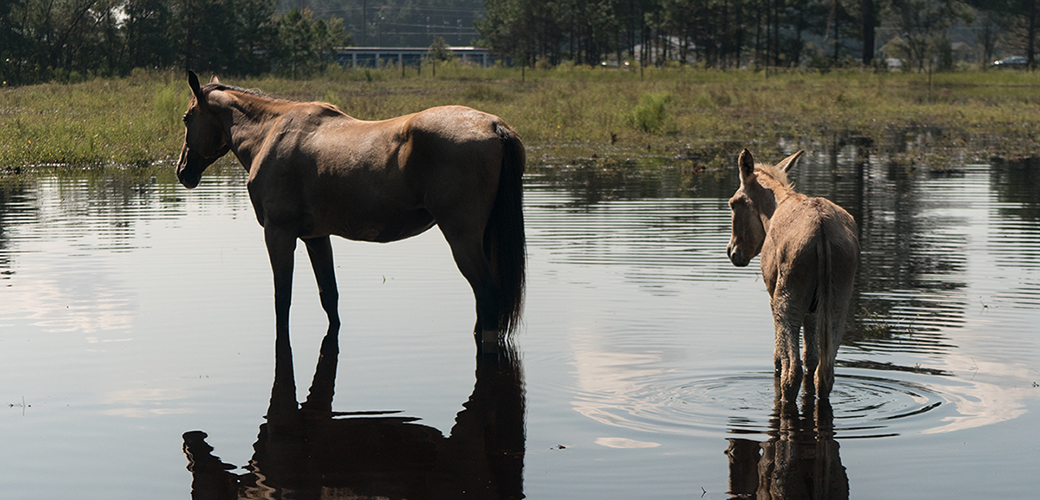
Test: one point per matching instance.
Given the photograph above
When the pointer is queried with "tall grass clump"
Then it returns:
(167, 105)
(649, 115)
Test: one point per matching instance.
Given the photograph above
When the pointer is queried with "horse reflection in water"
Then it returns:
(309, 451)
(799, 461)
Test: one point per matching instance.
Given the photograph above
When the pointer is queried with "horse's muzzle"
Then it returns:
(190, 167)
(736, 256)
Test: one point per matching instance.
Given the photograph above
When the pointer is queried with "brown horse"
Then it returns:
(810, 250)
(316, 172)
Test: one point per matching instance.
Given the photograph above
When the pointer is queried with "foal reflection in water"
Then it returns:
(309, 451)
(800, 461)
(810, 250)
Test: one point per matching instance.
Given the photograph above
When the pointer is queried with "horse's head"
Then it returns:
(751, 206)
(204, 140)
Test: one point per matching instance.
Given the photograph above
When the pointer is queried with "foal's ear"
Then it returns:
(746, 163)
(789, 162)
(193, 82)
(214, 79)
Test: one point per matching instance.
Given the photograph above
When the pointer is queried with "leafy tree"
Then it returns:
(148, 34)
(305, 44)
(923, 24)
(440, 51)
(1021, 19)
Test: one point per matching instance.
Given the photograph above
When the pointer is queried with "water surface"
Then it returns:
(136, 311)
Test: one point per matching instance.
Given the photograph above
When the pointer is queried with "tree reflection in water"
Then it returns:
(310, 451)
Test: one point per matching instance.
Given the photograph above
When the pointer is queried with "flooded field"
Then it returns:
(137, 332)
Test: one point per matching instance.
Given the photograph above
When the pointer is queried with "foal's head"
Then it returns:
(204, 140)
(753, 204)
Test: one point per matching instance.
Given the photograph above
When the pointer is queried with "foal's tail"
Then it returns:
(504, 240)
(825, 337)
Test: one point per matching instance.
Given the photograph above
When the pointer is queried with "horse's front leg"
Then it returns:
(280, 247)
(322, 387)
(320, 251)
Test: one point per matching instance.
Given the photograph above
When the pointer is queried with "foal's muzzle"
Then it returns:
(736, 256)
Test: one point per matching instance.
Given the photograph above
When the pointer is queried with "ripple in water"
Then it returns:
(863, 406)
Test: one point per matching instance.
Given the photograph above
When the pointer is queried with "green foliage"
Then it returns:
(440, 51)
(306, 45)
(649, 114)
(586, 112)
(332, 97)
(168, 106)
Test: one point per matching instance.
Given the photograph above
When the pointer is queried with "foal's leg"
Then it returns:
(811, 349)
(320, 251)
(787, 322)
(825, 371)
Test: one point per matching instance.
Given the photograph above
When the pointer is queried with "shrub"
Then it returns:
(649, 114)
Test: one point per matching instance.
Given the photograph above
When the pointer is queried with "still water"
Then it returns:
(137, 330)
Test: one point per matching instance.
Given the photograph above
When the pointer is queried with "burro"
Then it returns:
(810, 250)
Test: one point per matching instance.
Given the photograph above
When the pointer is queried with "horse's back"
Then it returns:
(381, 180)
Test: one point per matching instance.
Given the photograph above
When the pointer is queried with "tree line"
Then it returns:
(764, 33)
(66, 40)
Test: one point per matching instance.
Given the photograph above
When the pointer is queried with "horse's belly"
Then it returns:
(384, 229)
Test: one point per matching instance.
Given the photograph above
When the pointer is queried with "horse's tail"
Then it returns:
(504, 240)
(825, 336)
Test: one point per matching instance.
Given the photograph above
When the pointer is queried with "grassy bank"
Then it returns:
(570, 112)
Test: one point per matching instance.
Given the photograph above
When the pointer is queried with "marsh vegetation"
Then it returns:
(698, 117)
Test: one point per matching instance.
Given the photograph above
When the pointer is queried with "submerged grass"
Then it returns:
(584, 111)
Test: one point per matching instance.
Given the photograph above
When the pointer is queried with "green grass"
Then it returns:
(571, 111)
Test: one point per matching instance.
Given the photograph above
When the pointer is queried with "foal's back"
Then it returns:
(799, 228)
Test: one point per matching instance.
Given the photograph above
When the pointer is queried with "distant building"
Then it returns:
(371, 57)
(963, 52)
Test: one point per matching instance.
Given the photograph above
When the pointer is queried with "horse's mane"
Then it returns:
(776, 173)
(209, 87)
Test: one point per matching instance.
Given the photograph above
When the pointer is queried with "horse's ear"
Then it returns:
(746, 163)
(789, 162)
(193, 82)
(214, 79)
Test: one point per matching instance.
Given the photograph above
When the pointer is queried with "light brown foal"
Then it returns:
(810, 250)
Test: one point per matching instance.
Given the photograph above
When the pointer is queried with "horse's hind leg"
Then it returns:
(468, 251)
(320, 251)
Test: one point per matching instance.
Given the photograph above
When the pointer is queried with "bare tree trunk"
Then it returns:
(867, 9)
(1030, 44)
